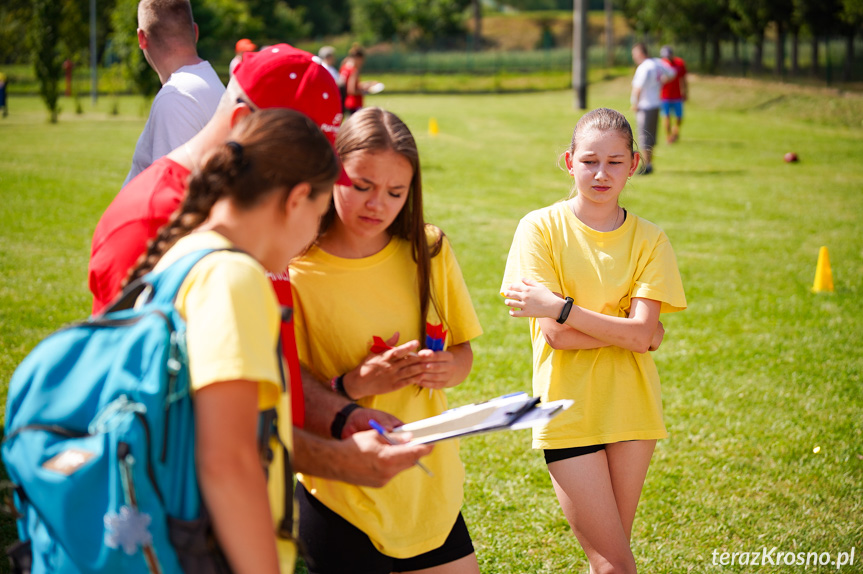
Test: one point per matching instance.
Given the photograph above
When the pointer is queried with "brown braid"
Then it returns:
(193, 212)
(269, 151)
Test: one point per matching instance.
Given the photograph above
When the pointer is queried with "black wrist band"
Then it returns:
(341, 419)
(339, 387)
(564, 313)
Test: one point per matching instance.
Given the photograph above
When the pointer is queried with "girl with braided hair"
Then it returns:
(262, 194)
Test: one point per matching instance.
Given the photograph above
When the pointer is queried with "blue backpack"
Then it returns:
(99, 443)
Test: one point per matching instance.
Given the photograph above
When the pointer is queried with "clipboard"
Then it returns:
(509, 412)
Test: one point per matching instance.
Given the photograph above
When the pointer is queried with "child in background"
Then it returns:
(353, 88)
(382, 311)
(243, 45)
(593, 279)
(673, 94)
(245, 196)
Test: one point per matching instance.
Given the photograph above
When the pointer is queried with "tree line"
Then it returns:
(707, 23)
(46, 33)
(223, 22)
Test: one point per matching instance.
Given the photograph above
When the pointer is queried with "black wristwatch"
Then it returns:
(341, 420)
(564, 313)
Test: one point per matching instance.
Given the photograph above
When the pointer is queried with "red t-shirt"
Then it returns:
(134, 217)
(352, 101)
(671, 89)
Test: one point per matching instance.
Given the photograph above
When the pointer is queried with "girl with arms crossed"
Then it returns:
(593, 279)
(262, 193)
(376, 276)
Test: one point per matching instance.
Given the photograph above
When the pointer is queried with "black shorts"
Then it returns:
(332, 545)
(556, 454)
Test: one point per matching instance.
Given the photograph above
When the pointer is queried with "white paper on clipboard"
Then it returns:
(508, 412)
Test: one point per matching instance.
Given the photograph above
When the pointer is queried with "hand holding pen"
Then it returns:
(381, 431)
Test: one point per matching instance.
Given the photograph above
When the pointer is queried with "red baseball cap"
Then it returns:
(282, 76)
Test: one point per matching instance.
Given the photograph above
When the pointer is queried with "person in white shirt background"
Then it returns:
(327, 54)
(191, 89)
(650, 75)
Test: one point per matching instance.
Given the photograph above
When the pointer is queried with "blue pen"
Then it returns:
(377, 426)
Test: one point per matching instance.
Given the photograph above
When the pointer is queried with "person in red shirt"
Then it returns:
(350, 78)
(674, 93)
(279, 76)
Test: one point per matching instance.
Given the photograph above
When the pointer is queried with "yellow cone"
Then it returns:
(433, 128)
(823, 274)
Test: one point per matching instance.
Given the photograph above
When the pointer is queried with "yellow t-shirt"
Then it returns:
(616, 391)
(232, 329)
(340, 305)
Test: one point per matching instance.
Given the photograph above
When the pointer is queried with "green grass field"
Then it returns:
(758, 374)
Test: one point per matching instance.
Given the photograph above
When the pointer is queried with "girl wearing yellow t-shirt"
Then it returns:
(261, 193)
(382, 311)
(593, 279)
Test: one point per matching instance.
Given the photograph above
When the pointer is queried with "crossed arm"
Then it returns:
(639, 332)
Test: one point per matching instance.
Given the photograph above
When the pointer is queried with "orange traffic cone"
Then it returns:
(433, 127)
(823, 274)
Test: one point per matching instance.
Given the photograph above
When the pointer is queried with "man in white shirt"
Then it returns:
(191, 89)
(327, 54)
(650, 74)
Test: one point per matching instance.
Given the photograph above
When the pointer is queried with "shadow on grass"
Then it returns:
(704, 173)
(734, 144)
(8, 529)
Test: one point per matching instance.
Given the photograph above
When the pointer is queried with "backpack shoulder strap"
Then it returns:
(166, 282)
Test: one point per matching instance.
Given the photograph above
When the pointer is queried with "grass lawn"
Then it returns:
(761, 377)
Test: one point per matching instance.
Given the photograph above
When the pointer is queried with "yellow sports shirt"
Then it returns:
(232, 328)
(340, 306)
(616, 391)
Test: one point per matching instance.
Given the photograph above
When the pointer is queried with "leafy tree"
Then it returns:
(45, 45)
(124, 46)
(700, 21)
(15, 18)
(221, 23)
(821, 17)
(643, 16)
(326, 17)
(754, 16)
(476, 11)
(704, 22)
(782, 14)
(852, 13)
(277, 20)
(412, 21)
(75, 29)
(76, 26)
(851, 18)
(441, 19)
(533, 5)
(374, 20)
(539, 5)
